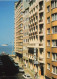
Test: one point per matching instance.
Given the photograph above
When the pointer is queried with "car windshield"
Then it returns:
(28, 76)
(20, 68)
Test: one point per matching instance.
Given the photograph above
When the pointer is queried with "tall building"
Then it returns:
(25, 31)
(33, 33)
(51, 39)
(37, 36)
(30, 34)
(19, 29)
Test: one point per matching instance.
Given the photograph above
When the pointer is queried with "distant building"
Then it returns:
(19, 29)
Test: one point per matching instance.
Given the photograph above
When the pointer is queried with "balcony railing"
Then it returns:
(40, 44)
(41, 32)
(41, 58)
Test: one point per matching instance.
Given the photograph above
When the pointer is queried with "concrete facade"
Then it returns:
(25, 31)
(37, 36)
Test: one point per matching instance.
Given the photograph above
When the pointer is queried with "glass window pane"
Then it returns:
(53, 69)
(56, 57)
(53, 56)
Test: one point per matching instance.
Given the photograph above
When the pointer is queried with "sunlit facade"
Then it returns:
(19, 29)
(37, 36)
(25, 32)
(51, 39)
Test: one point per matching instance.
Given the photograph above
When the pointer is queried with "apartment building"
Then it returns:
(25, 31)
(19, 30)
(30, 34)
(37, 36)
(51, 39)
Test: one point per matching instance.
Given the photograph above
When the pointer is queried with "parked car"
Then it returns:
(16, 64)
(21, 70)
(11, 59)
(27, 76)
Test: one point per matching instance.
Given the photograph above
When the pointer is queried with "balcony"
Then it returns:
(41, 32)
(41, 20)
(31, 57)
(40, 44)
(41, 41)
(25, 56)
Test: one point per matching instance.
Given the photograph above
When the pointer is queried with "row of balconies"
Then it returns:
(34, 15)
(33, 21)
(19, 21)
(20, 31)
(17, 30)
(33, 31)
(19, 40)
(18, 36)
(18, 17)
(40, 58)
(33, 24)
(19, 44)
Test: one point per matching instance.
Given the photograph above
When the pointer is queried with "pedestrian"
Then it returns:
(36, 75)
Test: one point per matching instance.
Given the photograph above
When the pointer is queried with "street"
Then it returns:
(17, 76)
(7, 68)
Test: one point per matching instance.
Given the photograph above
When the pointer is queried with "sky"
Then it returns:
(7, 22)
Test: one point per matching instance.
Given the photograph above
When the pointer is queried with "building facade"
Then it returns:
(25, 32)
(37, 36)
(51, 39)
(19, 29)
(30, 34)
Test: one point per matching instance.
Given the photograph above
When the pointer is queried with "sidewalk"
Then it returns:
(28, 71)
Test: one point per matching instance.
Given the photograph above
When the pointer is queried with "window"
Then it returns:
(54, 69)
(54, 29)
(34, 28)
(54, 43)
(26, 40)
(54, 56)
(48, 20)
(48, 9)
(48, 66)
(48, 43)
(36, 37)
(54, 4)
(48, 31)
(48, 54)
(54, 17)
